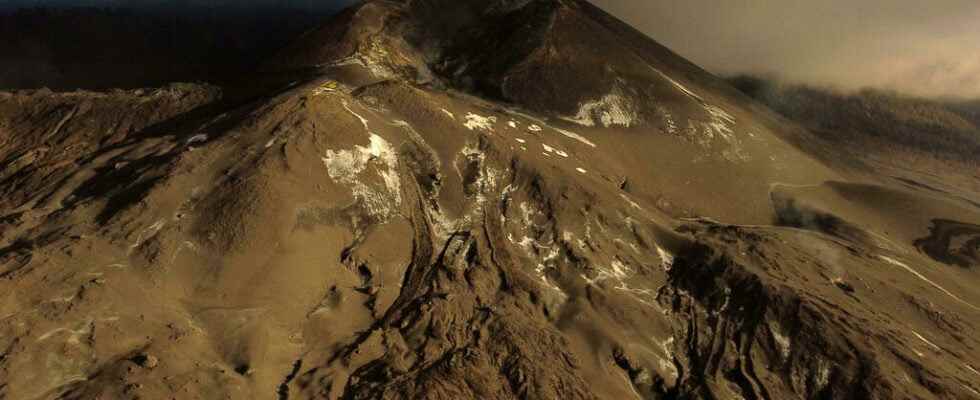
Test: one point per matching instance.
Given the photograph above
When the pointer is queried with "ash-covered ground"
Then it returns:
(469, 199)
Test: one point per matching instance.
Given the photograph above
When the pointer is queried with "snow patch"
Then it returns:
(576, 136)
(199, 138)
(474, 122)
(926, 341)
(721, 121)
(678, 85)
(487, 179)
(349, 166)
(616, 270)
(581, 170)
(670, 125)
(545, 255)
(666, 259)
(822, 378)
(148, 233)
(550, 149)
(782, 341)
(448, 113)
(611, 109)
(363, 120)
(718, 129)
(630, 201)
(372, 56)
(74, 335)
(537, 128)
(668, 367)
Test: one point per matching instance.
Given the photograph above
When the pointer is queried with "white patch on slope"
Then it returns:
(722, 126)
(448, 113)
(537, 128)
(666, 259)
(721, 122)
(487, 179)
(926, 341)
(348, 166)
(372, 57)
(670, 126)
(668, 354)
(363, 120)
(664, 362)
(486, 182)
(554, 150)
(611, 109)
(581, 170)
(575, 136)
(922, 277)
(474, 121)
(148, 234)
(783, 341)
(677, 85)
(544, 254)
(616, 270)
(197, 139)
(630, 201)
(719, 128)
(74, 335)
(823, 374)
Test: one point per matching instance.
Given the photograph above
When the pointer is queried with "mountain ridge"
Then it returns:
(356, 227)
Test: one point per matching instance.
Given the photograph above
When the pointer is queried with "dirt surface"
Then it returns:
(432, 213)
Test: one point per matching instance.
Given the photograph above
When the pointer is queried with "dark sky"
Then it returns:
(924, 47)
(238, 4)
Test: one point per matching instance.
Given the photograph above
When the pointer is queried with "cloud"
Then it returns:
(927, 48)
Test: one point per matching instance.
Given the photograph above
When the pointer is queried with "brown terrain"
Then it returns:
(507, 199)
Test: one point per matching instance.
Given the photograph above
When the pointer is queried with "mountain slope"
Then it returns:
(639, 92)
(423, 219)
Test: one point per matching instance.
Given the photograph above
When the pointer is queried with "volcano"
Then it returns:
(472, 199)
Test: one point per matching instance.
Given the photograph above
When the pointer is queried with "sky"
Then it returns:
(920, 47)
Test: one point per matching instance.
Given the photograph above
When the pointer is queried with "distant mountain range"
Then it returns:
(949, 129)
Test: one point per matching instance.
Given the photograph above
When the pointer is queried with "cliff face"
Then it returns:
(507, 199)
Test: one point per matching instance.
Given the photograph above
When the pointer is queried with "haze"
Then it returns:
(926, 48)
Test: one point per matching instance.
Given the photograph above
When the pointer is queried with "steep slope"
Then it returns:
(531, 57)
(422, 220)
